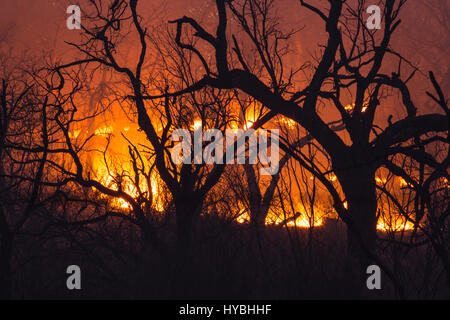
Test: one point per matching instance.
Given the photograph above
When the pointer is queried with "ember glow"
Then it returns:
(394, 224)
(110, 179)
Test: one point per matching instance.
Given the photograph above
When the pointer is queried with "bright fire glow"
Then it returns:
(243, 218)
(403, 183)
(394, 223)
(104, 131)
(107, 179)
(301, 222)
(350, 107)
(304, 222)
(74, 134)
(380, 180)
(197, 124)
(248, 125)
(289, 123)
(250, 118)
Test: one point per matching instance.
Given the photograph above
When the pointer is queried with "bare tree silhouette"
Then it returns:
(356, 144)
(352, 61)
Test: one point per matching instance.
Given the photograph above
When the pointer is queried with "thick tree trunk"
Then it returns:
(258, 219)
(6, 247)
(258, 214)
(362, 206)
(360, 190)
(187, 211)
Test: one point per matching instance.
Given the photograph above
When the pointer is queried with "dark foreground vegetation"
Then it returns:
(228, 261)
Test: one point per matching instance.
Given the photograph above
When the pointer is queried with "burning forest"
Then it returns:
(245, 149)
